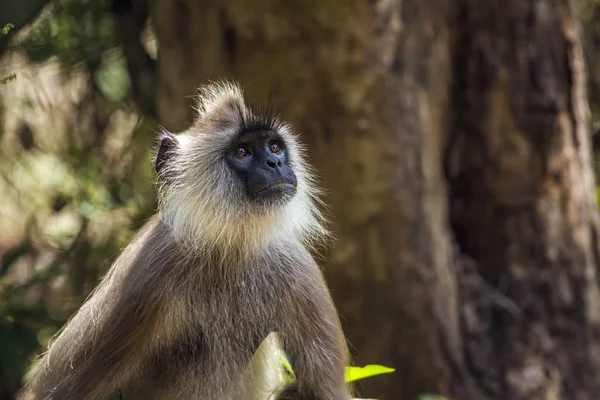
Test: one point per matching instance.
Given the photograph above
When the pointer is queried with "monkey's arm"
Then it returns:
(91, 359)
(106, 344)
(313, 340)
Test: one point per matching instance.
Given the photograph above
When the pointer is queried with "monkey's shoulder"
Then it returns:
(150, 257)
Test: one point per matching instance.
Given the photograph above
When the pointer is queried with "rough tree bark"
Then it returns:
(436, 125)
(522, 200)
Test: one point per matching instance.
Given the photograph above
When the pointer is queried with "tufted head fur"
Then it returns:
(203, 201)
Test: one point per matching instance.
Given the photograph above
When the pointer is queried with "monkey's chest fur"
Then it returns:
(230, 310)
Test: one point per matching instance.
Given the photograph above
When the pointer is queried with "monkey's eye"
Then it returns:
(274, 147)
(241, 152)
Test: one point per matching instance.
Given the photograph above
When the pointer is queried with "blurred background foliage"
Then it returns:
(75, 170)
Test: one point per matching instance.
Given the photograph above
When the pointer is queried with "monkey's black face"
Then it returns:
(260, 159)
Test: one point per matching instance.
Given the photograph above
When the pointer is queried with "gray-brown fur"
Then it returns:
(182, 310)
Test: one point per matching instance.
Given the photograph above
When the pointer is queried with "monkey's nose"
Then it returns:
(273, 163)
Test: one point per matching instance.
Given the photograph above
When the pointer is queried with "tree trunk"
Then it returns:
(400, 101)
(522, 200)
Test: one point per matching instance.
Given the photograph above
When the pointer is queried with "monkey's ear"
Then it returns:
(166, 150)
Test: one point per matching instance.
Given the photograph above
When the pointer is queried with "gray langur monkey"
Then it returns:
(222, 264)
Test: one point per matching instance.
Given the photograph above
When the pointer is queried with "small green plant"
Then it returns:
(352, 373)
(357, 373)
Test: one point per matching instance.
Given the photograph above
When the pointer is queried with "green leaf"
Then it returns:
(286, 364)
(356, 373)
(8, 78)
(6, 28)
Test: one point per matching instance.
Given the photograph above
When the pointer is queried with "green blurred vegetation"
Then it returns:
(75, 173)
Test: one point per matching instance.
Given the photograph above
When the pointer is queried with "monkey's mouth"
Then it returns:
(277, 190)
(279, 182)
(279, 185)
